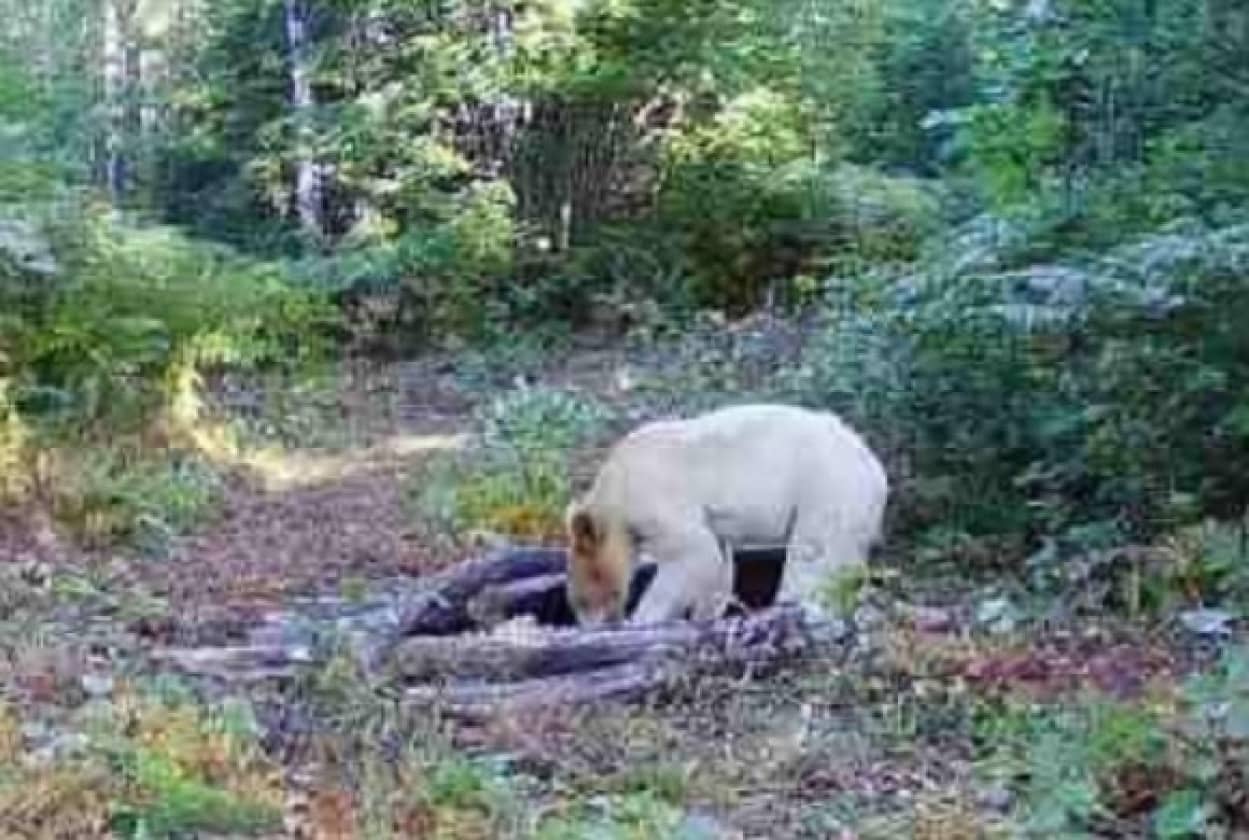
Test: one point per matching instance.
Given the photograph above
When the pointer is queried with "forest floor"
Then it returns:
(927, 728)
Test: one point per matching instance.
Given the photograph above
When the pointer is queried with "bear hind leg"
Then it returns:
(820, 548)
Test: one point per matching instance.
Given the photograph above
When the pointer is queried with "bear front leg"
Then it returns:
(692, 577)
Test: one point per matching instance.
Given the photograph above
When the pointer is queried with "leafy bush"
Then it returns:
(517, 481)
(540, 419)
(186, 769)
(1074, 757)
(730, 190)
(880, 219)
(147, 769)
(107, 496)
(139, 314)
(1053, 398)
(639, 815)
(1085, 765)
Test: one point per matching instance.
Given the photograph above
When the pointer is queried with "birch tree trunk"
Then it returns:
(123, 80)
(309, 187)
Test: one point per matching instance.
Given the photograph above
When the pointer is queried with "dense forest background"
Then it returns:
(1007, 239)
(1029, 207)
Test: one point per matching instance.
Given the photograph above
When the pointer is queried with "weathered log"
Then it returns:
(472, 674)
(532, 581)
(541, 596)
(429, 635)
(240, 663)
(484, 699)
(443, 609)
(506, 655)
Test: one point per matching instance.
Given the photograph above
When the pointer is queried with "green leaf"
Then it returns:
(1183, 814)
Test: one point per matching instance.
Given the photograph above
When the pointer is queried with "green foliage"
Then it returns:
(730, 188)
(1100, 397)
(453, 271)
(1070, 760)
(516, 482)
(1016, 149)
(146, 769)
(107, 497)
(183, 769)
(638, 816)
(541, 419)
(1220, 700)
(138, 316)
(1100, 115)
(178, 804)
(1084, 764)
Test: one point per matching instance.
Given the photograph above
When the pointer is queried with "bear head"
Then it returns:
(599, 568)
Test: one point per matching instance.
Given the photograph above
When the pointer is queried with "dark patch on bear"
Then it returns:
(757, 581)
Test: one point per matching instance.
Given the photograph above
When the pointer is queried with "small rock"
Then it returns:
(97, 685)
(931, 619)
(995, 797)
(869, 617)
(1208, 622)
(998, 615)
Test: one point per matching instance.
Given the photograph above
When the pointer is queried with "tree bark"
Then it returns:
(309, 186)
(123, 82)
(479, 676)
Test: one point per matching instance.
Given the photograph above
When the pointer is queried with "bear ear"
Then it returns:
(581, 527)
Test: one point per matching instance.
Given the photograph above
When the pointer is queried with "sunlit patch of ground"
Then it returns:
(279, 470)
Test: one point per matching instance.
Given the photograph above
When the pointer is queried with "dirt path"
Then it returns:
(267, 544)
(299, 520)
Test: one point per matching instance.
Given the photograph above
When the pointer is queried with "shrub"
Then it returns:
(1086, 764)
(516, 482)
(147, 769)
(140, 312)
(107, 496)
(1055, 398)
(729, 190)
(638, 815)
(186, 769)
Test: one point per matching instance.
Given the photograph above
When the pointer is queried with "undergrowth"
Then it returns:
(515, 480)
(1169, 765)
(148, 768)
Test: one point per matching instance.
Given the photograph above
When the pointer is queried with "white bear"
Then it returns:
(683, 491)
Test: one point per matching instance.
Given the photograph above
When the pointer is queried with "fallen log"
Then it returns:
(497, 633)
(470, 675)
(531, 581)
(443, 609)
(627, 681)
(512, 652)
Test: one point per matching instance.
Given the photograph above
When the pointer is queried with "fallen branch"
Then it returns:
(241, 663)
(481, 700)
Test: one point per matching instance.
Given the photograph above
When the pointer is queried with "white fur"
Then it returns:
(750, 474)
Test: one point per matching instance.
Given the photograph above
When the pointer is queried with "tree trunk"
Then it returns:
(123, 83)
(309, 185)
